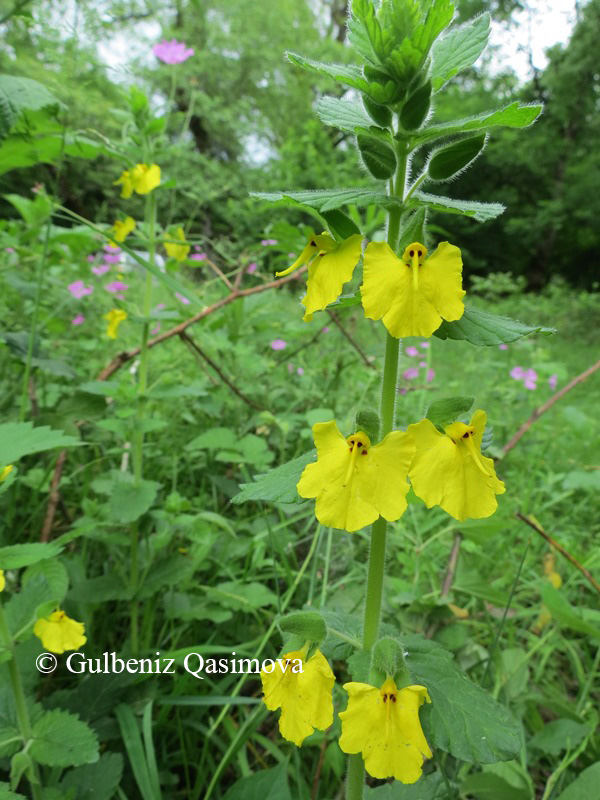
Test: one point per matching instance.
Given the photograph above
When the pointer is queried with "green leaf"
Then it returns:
(377, 151)
(481, 212)
(340, 225)
(309, 625)
(214, 439)
(243, 596)
(559, 735)
(381, 115)
(365, 33)
(515, 115)
(429, 787)
(6, 794)
(21, 94)
(349, 75)
(443, 412)
(463, 719)
(97, 781)
(55, 574)
(16, 556)
(277, 485)
(61, 739)
(484, 329)
(328, 199)
(138, 757)
(585, 785)
(565, 614)
(267, 784)
(128, 502)
(449, 161)
(490, 785)
(18, 439)
(346, 115)
(24, 608)
(415, 110)
(412, 229)
(458, 48)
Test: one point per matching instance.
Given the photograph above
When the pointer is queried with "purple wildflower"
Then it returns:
(268, 242)
(116, 286)
(100, 269)
(78, 320)
(198, 257)
(300, 371)
(182, 299)
(503, 347)
(517, 373)
(430, 375)
(278, 344)
(172, 52)
(252, 268)
(78, 289)
(411, 351)
(552, 381)
(411, 373)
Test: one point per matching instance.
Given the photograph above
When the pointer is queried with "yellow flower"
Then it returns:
(330, 266)
(304, 697)
(122, 228)
(177, 251)
(5, 472)
(448, 469)
(383, 724)
(2, 580)
(353, 482)
(142, 179)
(114, 318)
(415, 293)
(59, 633)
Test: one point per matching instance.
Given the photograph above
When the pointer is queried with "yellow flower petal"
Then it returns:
(58, 632)
(2, 580)
(353, 482)
(5, 472)
(177, 251)
(448, 469)
(304, 697)
(114, 318)
(383, 725)
(412, 305)
(127, 187)
(328, 273)
(122, 228)
(145, 178)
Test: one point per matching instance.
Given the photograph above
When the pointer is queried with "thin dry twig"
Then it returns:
(553, 543)
(548, 404)
(355, 345)
(197, 349)
(54, 497)
(452, 564)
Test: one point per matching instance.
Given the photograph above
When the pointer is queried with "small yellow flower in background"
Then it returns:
(141, 179)
(448, 469)
(2, 580)
(415, 293)
(114, 318)
(383, 724)
(58, 632)
(304, 697)
(177, 251)
(330, 265)
(353, 482)
(555, 579)
(5, 472)
(122, 228)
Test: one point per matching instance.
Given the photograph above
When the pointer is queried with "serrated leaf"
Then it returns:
(429, 787)
(449, 161)
(458, 48)
(16, 556)
(55, 573)
(346, 115)
(485, 329)
(267, 784)
(584, 785)
(6, 794)
(349, 75)
(97, 781)
(18, 439)
(515, 115)
(128, 502)
(443, 412)
(25, 607)
(19, 94)
(278, 485)
(328, 199)
(481, 212)
(61, 739)
(463, 719)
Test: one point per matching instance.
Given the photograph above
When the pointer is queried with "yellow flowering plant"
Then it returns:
(406, 696)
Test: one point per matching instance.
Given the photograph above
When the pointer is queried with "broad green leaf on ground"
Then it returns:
(61, 739)
(585, 785)
(484, 329)
(499, 782)
(214, 439)
(559, 735)
(278, 485)
(16, 556)
(328, 199)
(97, 781)
(462, 719)
(128, 502)
(19, 94)
(481, 212)
(242, 596)
(515, 115)
(565, 614)
(18, 439)
(36, 599)
(349, 75)
(458, 48)
(346, 115)
(267, 784)
(55, 573)
(429, 787)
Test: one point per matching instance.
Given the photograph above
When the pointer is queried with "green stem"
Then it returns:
(376, 570)
(138, 435)
(20, 702)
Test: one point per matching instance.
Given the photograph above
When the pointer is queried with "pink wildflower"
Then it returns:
(78, 320)
(252, 268)
(300, 371)
(502, 346)
(411, 351)
(182, 299)
(552, 381)
(411, 373)
(116, 286)
(100, 269)
(430, 375)
(268, 242)
(172, 52)
(278, 344)
(78, 289)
